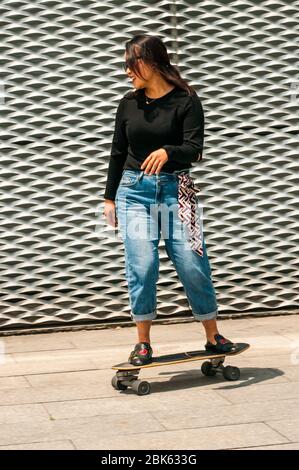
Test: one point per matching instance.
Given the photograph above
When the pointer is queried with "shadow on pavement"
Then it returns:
(181, 380)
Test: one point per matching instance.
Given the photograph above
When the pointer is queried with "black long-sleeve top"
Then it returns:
(175, 122)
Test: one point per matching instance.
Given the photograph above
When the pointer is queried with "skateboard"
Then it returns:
(127, 374)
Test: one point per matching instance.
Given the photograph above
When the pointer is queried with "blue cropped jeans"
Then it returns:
(146, 208)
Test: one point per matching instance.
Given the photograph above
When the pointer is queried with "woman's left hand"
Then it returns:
(154, 162)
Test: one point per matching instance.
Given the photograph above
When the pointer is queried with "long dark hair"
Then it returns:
(154, 53)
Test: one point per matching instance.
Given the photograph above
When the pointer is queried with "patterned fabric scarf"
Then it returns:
(187, 211)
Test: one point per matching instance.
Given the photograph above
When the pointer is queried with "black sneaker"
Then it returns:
(141, 355)
(223, 345)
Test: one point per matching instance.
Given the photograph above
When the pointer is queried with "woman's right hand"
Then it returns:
(110, 213)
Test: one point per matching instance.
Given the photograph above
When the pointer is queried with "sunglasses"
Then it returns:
(126, 65)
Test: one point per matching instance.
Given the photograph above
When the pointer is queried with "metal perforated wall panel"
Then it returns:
(61, 80)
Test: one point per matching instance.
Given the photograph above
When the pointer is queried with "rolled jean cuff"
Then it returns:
(148, 316)
(206, 316)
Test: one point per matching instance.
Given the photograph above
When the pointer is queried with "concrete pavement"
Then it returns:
(56, 393)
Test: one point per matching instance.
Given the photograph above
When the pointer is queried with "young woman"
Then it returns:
(159, 129)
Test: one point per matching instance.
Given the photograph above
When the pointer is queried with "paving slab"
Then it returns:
(220, 437)
(286, 427)
(293, 446)
(23, 413)
(54, 445)
(259, 393)
(98, 427)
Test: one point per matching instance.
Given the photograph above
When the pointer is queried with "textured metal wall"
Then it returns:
(61, 80)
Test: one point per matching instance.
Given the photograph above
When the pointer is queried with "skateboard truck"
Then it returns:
(210, 368)
(124, 379)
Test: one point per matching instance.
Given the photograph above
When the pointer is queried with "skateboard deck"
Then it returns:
(198, 355)
(127, 374)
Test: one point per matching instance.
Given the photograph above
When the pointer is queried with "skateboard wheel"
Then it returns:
(141, 387)
(117, 384)
(231, 373)
(207, 369)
